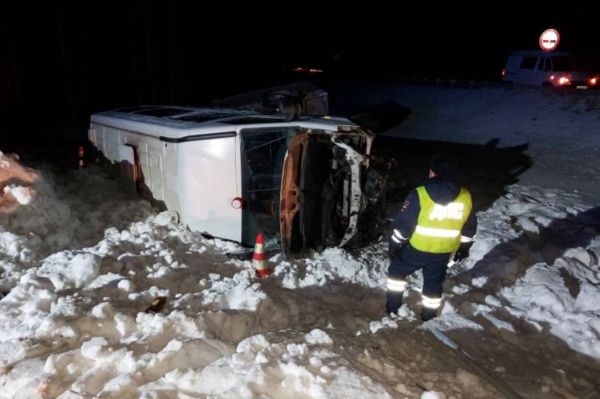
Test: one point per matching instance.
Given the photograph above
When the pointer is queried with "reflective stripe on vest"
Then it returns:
(438, 226)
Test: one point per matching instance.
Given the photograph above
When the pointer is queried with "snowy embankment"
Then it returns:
(537, 260)
(79, 322)
(77, 319)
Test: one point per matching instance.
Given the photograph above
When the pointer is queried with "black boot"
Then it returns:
(428, 313)
(394, 301)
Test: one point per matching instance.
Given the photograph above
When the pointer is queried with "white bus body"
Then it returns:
(232, 173)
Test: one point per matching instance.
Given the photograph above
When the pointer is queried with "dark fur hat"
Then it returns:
(444, 166)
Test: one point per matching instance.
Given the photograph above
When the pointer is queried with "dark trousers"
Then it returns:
(410, 260)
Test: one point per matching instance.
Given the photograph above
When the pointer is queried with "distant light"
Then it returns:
(503, 72)
(593, 81)
(563, 81)
(309, 70)
(552, 77)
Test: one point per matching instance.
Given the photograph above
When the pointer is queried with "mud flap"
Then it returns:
(129, 167)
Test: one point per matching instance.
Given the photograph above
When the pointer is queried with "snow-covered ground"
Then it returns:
(104, 297)
(560, 127)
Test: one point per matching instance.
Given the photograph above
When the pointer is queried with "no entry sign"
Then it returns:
(549, 39)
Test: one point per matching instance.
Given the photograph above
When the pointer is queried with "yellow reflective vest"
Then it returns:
(439, 226)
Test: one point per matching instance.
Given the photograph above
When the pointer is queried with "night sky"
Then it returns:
(59, 62)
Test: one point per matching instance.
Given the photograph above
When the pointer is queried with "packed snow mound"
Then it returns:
(537, 256)
(278, 370)
(545, 297)
(368, 268)
(75, 207)
(87, 311)
(24, 195)
(15, 183)
(528, 213)
(69, 211)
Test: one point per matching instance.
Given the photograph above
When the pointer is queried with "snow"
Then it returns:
(24, 195)
(332, 264)
(559, 128)
(542, 297)
(239, 292)
(318, 337)
(261, 367)
(433, 395)
(82, 263)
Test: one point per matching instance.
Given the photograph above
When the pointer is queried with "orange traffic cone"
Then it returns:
(259, 258)
(81, 153)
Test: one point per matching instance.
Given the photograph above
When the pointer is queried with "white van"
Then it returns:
(232, 174)
(541, 68)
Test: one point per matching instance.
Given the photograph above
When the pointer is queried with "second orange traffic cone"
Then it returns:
(81, 153)
(259, 257)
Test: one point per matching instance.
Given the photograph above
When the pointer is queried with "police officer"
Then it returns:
(434, 222)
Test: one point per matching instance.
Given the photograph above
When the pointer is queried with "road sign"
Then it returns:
(549, 39)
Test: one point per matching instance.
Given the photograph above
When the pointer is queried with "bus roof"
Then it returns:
(179, 122)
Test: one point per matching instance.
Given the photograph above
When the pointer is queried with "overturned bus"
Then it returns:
(232, 173)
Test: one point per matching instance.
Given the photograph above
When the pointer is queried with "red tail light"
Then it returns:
(593, 81)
